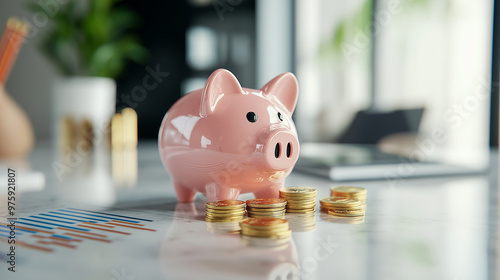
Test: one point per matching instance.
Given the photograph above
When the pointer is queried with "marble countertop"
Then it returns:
(130, 226)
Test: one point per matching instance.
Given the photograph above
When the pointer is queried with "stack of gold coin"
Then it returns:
(299, 199)
(342, 207)
(356, 193)
(264, 227)
(223, 211)
(266, 207)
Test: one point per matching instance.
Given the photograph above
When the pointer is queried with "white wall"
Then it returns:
(32, 75)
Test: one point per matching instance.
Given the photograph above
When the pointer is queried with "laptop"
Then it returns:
(355, 162)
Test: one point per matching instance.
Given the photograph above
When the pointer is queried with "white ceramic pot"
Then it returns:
(84, 98)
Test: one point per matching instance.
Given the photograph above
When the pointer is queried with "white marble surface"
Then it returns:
(435, 228)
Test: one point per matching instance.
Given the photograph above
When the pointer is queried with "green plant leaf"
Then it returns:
(120, 20)
(96, 41)
(339, 37)
(109, 59)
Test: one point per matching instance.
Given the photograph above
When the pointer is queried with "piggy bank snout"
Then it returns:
(281, 150)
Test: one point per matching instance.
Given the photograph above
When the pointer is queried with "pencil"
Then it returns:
(10, 44)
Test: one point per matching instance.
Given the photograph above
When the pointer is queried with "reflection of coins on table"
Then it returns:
(228, 227)
(356, 193)
(301, 222)
(266, 207)
(299, 199)
(342, 220)
(265, 242)
(224, 211)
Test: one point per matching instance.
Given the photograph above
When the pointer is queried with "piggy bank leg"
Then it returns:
(215, 191)
(273, 191)
(184, 194)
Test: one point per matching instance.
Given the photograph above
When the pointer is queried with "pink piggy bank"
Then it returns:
(224, 140)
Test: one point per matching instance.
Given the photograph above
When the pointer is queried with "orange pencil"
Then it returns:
(10, 44)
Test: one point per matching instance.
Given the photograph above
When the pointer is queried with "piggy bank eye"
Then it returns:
(251, 117)
(280, 116)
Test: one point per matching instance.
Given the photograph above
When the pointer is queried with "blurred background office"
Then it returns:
(366, 69)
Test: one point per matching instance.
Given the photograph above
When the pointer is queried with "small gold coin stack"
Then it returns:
(299, 199)
(356, 193)
(346, 202)
(225, 211)
(266, 207)
(342, 207)
(265, 228)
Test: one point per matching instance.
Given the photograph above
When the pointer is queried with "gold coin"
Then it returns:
(301, 206)
(347, 191)
(281, 216)
(346, 213)
(326, 209)
(216, 211)
(305, 202)
(265, 209)
(223, 217)
(299, 191)
(300, 201)
(257, 233)
(339, 202)
(226, 204)
(264, 223)
(254, 231)
(297, 202)
(310, 210)
(356, 210)
(266, 202)
(210, 215)
(271, 210)
(298, 198)
(259, 215)
(266, 213)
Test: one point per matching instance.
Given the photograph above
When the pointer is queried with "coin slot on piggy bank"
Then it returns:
(224, 140)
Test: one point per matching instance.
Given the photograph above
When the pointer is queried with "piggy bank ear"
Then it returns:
(219, 83)
(285, 88)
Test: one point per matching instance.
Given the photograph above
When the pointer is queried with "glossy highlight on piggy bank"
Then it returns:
(224, 140)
